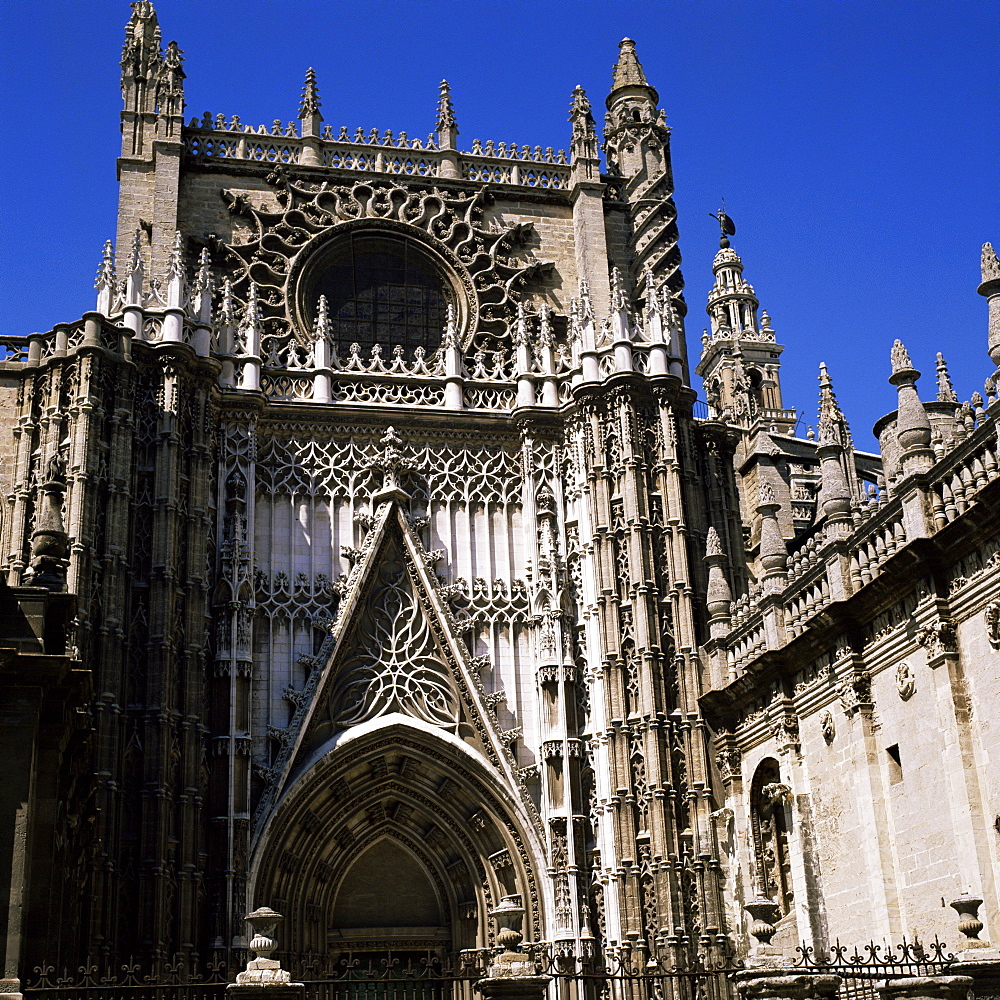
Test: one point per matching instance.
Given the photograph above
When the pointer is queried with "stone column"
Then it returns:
(264, 977)
(512, 975)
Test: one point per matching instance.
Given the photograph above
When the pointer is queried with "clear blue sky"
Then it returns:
(856, 143)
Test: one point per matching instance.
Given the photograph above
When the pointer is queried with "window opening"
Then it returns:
(770, 833)
(381, 290)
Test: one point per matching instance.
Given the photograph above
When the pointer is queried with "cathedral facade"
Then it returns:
(370, 556)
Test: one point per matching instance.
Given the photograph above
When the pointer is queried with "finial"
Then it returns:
(321, 329)
(652, 298)
(391, 463)
(989, 264)
(586, 309)
(546, 337)
(520, 331)
(713, 544)
(449, 338)
(584, 139)
(135, 256)
(310, 102)
(833, 427)
(446, 112)
(618, 301)
(727, 227)
(252, 312)
(227, 311)
(203, 279)
(175, 265)
(106, 271)
(767, 498)
(945, 393)
(900, 358)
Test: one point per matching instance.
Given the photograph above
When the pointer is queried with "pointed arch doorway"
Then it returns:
(398, 838)
(387, 902)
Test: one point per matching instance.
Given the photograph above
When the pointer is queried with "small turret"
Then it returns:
(719, 597)
(740, 360)
(990, 288)
(635, 131)
(913, 428)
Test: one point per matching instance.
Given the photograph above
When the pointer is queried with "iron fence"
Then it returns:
(627, 973)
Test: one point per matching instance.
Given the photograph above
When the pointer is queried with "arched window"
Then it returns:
(768, 799)
(381, 288)
(755, 390)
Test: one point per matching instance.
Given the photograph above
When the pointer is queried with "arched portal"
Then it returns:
(397, 838)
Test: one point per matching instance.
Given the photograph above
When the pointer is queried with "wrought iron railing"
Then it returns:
(628, 973)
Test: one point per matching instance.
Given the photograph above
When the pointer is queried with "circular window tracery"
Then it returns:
(381, 288)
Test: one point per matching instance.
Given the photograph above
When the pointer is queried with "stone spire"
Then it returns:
(309, 105)
(105, 282)
(913, 428)
(832, 422)
(635, 130)
(628, 70)
(583, 145)
(945, 392)
(446, 125)
(990, 289)
(142, 58)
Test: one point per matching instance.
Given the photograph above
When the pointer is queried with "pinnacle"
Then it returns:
(310, 102)
(628, 70)
(713, 544)
(446, 111)
(106, 271)
(945, 393)
(990, 264)
(900, 358)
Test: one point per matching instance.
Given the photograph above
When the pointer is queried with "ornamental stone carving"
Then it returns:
(992, 618)
(827, 726)
(906, 682)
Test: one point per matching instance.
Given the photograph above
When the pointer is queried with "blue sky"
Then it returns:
(856, 143)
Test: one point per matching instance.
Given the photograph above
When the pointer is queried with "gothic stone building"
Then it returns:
(369, 556)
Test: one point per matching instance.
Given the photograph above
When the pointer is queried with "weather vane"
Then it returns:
(727, 227)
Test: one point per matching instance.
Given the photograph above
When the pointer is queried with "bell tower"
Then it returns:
(741, 358)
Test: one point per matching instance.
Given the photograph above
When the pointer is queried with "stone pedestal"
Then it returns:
(266, 991)
(782, 984)
(514, 985)
(264, 977)
(926, 988)
(982, 966)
